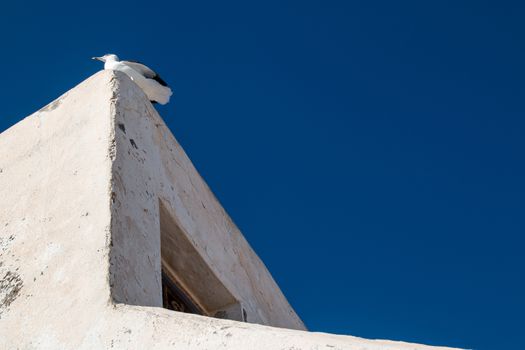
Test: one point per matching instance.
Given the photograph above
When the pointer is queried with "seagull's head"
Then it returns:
(107, 57)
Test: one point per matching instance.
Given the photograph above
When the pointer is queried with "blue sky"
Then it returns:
(370, 151)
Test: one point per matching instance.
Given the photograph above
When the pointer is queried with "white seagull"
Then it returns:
(150, 82)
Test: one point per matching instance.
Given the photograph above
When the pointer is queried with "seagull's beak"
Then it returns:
(98, 59)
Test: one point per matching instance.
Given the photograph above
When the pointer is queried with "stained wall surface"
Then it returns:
(84, 183)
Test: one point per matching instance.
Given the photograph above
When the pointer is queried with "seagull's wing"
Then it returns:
(145, 71)
(141, 68)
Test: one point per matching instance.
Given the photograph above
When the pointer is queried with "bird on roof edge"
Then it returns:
(146, 78)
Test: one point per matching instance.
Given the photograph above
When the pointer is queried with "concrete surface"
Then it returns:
(91, 185)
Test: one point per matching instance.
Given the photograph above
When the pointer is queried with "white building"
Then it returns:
(106, 228)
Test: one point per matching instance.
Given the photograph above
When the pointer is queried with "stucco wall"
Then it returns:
(55, 219)
(79, 230)
(150, 165)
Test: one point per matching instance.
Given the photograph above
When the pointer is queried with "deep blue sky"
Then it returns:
(370, 151)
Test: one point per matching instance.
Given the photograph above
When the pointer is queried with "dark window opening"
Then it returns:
(189, 284)
(174, 298)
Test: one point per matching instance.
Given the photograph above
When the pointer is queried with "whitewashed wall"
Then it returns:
(79, 226)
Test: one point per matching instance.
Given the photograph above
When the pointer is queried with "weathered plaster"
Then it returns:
(81, 181)
(150, 165)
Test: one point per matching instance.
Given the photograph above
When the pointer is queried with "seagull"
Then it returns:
(150, 82)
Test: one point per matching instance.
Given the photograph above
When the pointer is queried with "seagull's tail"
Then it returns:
(163, 95)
